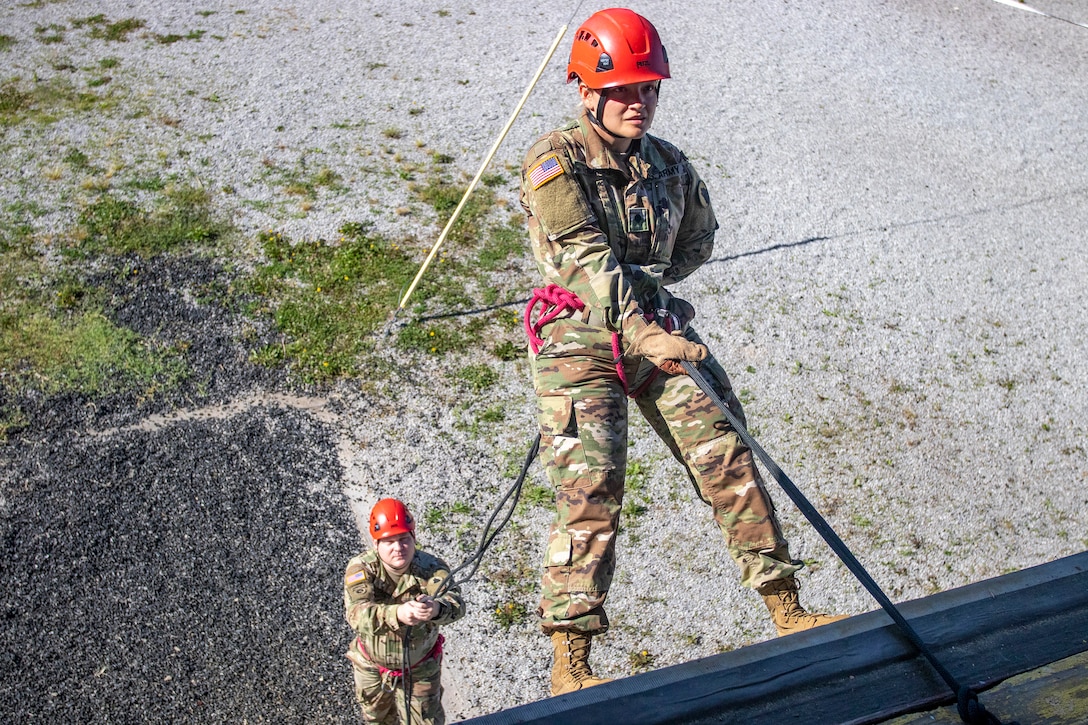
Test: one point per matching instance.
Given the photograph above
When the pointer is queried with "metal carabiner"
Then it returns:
(667, 319)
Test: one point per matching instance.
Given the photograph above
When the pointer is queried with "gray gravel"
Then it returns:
(898, 292)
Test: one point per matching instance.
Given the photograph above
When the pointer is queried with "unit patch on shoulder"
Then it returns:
(704, 195)
(355, 578)
(544, 171)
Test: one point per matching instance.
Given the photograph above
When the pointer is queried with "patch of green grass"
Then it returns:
(503, 242)
(507, 614)
(85, 353)
(641, 660)
(436, 338)
(47, 100)
(92, 20)
(494, 414)
(326, 320)
(6, 42)
(115, 32)
(534, 495)
(327, 299)
(444, 196)
(14, 102)
(11, 419)
(181, 219)
(477, 378)
(170, 38)
(154, 182)
(304, 182)
(508, 351)
(53, 336)
(49, 34)
(635, 478)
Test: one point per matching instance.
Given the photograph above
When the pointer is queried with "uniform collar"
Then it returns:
(600, 156)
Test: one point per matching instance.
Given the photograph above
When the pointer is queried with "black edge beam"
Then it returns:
(860, 670)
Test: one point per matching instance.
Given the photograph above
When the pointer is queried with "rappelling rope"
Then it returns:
(474, 561)
(970, 709)
(512, 495)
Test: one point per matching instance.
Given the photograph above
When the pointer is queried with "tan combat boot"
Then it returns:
(789, 616)
(571, 671)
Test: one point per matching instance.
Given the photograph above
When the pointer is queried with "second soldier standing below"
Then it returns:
(389, 591)
(615, 217)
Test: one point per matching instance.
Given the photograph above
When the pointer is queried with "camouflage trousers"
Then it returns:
(381, 697)
(583, 416)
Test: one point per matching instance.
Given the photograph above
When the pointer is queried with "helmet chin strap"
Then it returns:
(595, 118)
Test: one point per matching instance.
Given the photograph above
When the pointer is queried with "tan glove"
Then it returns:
(659, 347)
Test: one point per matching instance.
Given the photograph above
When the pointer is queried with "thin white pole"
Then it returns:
(480, 173)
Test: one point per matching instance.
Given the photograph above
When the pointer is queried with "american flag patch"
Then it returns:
(355, 578)
(545, 171)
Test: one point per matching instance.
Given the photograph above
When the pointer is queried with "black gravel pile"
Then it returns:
(190, 574)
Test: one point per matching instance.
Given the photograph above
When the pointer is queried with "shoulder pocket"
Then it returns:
(557, 202)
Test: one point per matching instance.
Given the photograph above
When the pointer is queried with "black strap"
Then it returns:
(970, 709)
(488, 535)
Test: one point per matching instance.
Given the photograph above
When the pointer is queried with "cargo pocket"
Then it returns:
(561, 450)
(555, 417)
(560, 550)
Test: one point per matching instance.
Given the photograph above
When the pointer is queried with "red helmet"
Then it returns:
(390, 517)
(617, 47)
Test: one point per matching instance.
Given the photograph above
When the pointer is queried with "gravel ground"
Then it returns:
(898, 291)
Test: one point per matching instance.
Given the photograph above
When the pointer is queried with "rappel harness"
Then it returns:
(389, 675)
(556, 302)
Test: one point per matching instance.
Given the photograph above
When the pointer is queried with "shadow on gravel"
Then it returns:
(190, 574)
(981, 211)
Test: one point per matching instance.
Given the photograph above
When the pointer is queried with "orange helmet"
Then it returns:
(617, 47)
(390, 517)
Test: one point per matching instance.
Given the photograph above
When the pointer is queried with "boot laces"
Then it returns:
(577, 656)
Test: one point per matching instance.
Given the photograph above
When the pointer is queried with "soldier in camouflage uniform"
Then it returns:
(615, 217)
(387, 592)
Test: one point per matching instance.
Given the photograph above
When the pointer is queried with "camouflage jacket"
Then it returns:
(370, 602)
(614, 230)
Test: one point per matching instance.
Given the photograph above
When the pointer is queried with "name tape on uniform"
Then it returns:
(544, 171)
